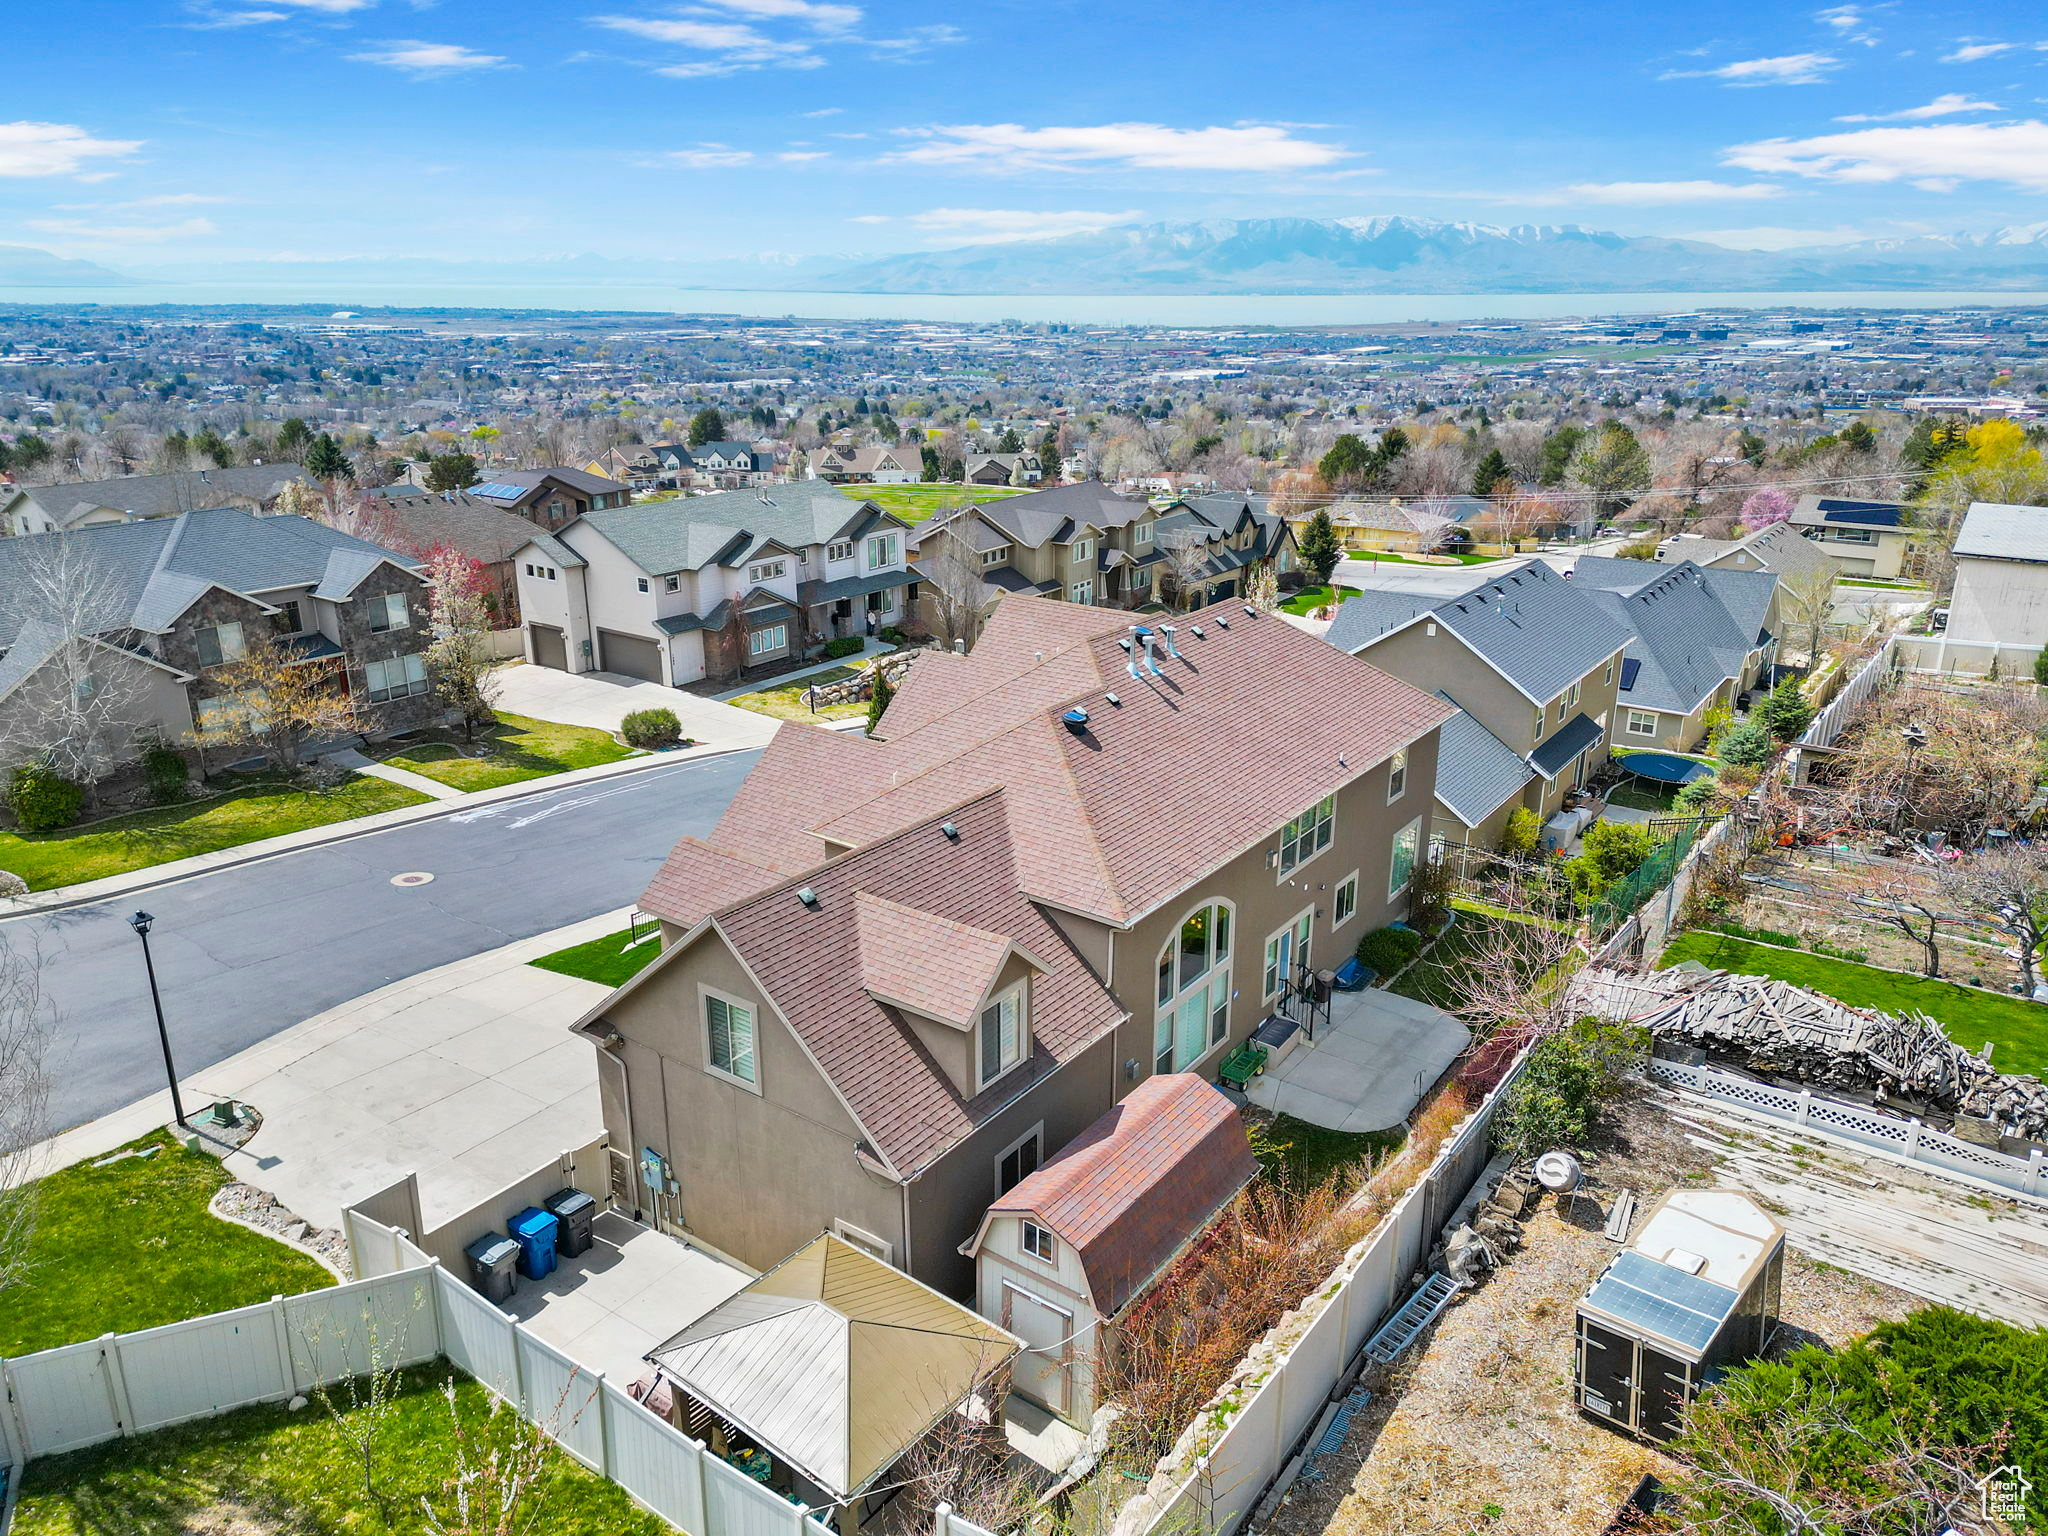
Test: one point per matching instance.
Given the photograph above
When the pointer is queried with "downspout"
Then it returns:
(905, 1266)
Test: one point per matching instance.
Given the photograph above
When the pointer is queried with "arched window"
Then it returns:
(1192, 991)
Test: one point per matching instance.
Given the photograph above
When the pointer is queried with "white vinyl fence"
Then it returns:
(1906, 1140)
(128, 1384)
(1290, 1397)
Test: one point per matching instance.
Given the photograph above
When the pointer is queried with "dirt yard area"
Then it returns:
(1475, 1428)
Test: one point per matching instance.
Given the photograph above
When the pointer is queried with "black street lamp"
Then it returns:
(140, 923)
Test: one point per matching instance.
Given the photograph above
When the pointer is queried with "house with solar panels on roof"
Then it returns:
(1865, 538)
(551, 498)
(184, 596)
(651, 590)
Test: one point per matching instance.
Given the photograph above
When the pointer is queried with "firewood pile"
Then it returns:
(1778, 1029)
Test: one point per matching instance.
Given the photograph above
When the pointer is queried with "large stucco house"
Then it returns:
(904, 972)
(1998, 608)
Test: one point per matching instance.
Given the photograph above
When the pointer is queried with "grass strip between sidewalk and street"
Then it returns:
(515, 749)
(2016, 1026)
(131, 1244)
(611, 961)
(121, 844)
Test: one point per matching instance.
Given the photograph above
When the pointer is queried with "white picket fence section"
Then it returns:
(1902, 1139)
(411, 1312)
(1264, 1434)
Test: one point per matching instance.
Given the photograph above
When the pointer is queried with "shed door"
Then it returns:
(549, 648)
(1666, 1386)
(1607, 1373)
(1041, 1370)
(629, 656)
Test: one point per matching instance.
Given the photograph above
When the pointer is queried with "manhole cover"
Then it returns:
(412, 877)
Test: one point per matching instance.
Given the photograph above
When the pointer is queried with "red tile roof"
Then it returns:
(1140, 1182)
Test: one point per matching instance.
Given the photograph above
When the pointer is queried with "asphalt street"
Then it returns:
(242, 953)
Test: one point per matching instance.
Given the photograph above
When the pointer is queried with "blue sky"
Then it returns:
(148, 132)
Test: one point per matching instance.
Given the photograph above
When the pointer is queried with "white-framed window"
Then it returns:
(1000, 1037)
(1640, 722)
(389, 612)
(1307, 835)
(768, 638)
(1344, 905)
(1397, 775)
(1082, 592)
(996, 556)
(1407, 849)
(548, 571)
(289, 618)
(1084, 550)
(1192, 991)
(1020, 1159)
(881, 551)
(1572, 698)
(1038, 1242)
(1854, 536)
(842, 550)
(767, 570)
(399, 678)
(1285, 952)
(643, 584)
(529, 568)
(1142, 534)
(729, 1040)
(865, 1241)
(671, 583)
(219, 644)
(1608, 676)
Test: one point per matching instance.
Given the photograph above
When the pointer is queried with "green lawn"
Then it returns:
(1971, 1015)
(1308, 599)
(1385, 558)
(114, 847)
(787, 701)
(517, 749)
(130, 1245)
(266, 1471)
(915, 503)
(1303, 1155)
(1644, 795)
(608, 960)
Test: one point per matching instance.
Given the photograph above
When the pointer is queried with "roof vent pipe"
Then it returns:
(1172, 647)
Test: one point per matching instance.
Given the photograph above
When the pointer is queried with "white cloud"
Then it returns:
(1774, 237)
(121, 234)
(823, 112)
(798, 156)
(1656, 194)
(1934, 157)
(1786, 69)
(1946, 105)
(707, 157)
(1970, 53)
(1008, 226)
(825, 17)
(55, 149)
(1849, 23)
(327, 7)
(869, 218)
(418, 58)
(1148, 146)
(737, 45)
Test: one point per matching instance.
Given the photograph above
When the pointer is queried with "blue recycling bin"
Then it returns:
(534, 1229)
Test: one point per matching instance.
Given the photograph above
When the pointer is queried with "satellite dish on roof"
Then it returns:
(1559, 1172)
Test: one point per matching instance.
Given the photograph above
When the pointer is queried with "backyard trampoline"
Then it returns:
(1664, 767)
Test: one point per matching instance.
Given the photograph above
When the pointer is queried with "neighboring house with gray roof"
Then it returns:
(551, 498)
(1698, 640)
(648, 590)
(1866, 538)
(1533, 662)
(28, 509)
(1780, 549)
(1998, 609)
(183, 596)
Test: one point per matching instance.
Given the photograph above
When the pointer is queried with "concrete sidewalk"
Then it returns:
(465, 1075)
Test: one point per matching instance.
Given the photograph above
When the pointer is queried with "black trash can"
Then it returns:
(575, 1211)
(492, 1258)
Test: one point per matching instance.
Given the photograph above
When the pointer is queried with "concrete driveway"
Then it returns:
(1367, 1068)
(600, 700)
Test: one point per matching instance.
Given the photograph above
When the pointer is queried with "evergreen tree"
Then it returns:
(931, 464)
(326, 461)
(451, 472)
(1320, 550)
(1613, 466)
(1558, 449)
(1493, 476)
(707, 426)
(1752, 448)
(878, 700)
(1784, 711)
(294, 437)
(208, 444)
(1348, 463)
(1009, 442)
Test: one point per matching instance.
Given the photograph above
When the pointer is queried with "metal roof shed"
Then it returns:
(834, 1363)
(1696, 1292)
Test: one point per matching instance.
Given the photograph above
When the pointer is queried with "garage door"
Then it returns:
(629, 656)
(549, 648)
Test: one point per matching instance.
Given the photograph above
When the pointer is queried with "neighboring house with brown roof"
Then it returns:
(421, 520)
(1068, 1252)
(888, 465)
(904, 970)
(550, 498)
(1003, 469)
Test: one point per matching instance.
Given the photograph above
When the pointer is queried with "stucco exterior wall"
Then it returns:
(2003, 602)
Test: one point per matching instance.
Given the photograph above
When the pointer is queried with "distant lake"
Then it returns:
(1090, 309)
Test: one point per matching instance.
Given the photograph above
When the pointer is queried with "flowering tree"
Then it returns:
(1764, 508)
(460, 659)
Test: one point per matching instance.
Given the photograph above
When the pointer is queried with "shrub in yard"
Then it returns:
(1785, 712)
(43, 799)
(1569, 1076)
(1611, 851)
(651, 728)
(1747, 745)
(1519, 838)
(891, 635)
(2041, 668)
(1700, 796)
(845, 645)
(1386, 950)
(166, 772)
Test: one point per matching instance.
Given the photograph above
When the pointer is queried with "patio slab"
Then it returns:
(1367, 1068)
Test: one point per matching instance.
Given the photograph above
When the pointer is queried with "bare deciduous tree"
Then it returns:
(1183, 567)
(26, 1024)
(1808, 598)
(275, 703)
(2009, 885)
(955, 596)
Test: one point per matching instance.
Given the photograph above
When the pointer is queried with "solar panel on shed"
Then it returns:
(1662, 1300)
